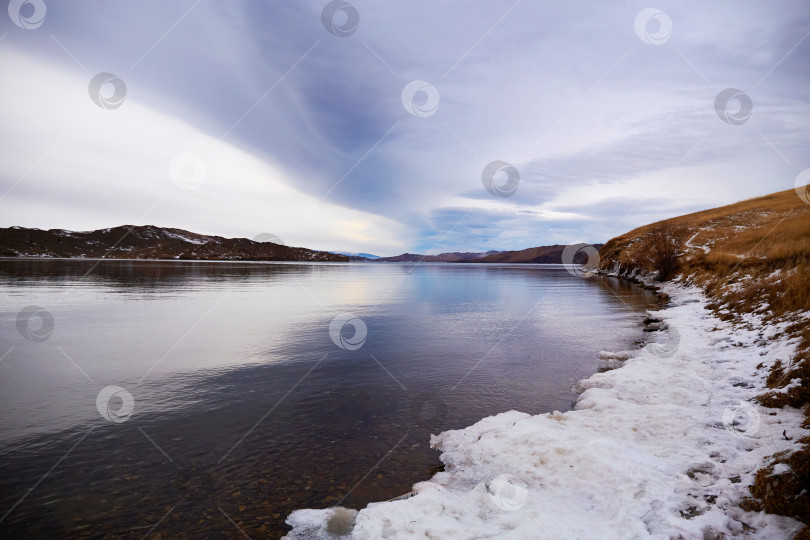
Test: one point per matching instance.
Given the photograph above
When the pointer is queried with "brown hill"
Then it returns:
(441, 257)
(745, 255)
(148, 242)
(536, 255)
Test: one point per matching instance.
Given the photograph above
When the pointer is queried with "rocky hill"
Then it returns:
(148, 242)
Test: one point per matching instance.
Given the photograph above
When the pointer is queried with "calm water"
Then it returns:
(244, 407)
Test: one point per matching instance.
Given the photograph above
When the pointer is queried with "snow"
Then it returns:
(664, 446)
(706, 247)
(198, 241)
(613, 360)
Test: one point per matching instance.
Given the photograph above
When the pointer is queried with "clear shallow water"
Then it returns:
(244, 407)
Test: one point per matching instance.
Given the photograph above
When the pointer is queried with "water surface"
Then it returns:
(244, 407)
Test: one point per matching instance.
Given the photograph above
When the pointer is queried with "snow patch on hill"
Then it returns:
(197, 241)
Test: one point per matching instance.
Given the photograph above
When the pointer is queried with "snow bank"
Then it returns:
(613, 360)
(663, 447)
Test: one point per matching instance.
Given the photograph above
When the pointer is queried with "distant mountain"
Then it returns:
(151, 242)
(357, 256)
(536, 255)
(441, 257)
(148, 242)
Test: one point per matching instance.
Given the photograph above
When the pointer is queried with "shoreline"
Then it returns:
(666, 444)
(291, 261)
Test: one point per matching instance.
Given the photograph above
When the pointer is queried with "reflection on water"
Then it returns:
(245, 409)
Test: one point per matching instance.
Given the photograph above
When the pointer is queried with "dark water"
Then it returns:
(244, 407)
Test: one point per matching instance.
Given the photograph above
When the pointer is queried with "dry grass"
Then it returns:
(746, 242)
(784, 494)
(750, 257)
(661, 249)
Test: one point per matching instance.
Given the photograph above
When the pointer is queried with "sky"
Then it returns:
(386, 127)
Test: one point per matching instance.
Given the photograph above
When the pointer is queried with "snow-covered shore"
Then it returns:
(664, 446)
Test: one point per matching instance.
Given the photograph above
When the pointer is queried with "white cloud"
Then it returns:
(86, 167)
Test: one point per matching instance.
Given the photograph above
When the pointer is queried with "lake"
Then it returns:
(151, 397)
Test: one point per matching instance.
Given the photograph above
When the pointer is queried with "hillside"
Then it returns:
(536, 255)
(750, 254)
(752, 260)
(148, 242)
(440, 258)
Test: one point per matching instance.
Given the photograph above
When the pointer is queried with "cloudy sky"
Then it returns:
(371, 126)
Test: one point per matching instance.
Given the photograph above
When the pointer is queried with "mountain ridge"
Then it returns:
(533, 255)
(456, 256)
(168, 243)
(537, 255)
(148, 242)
